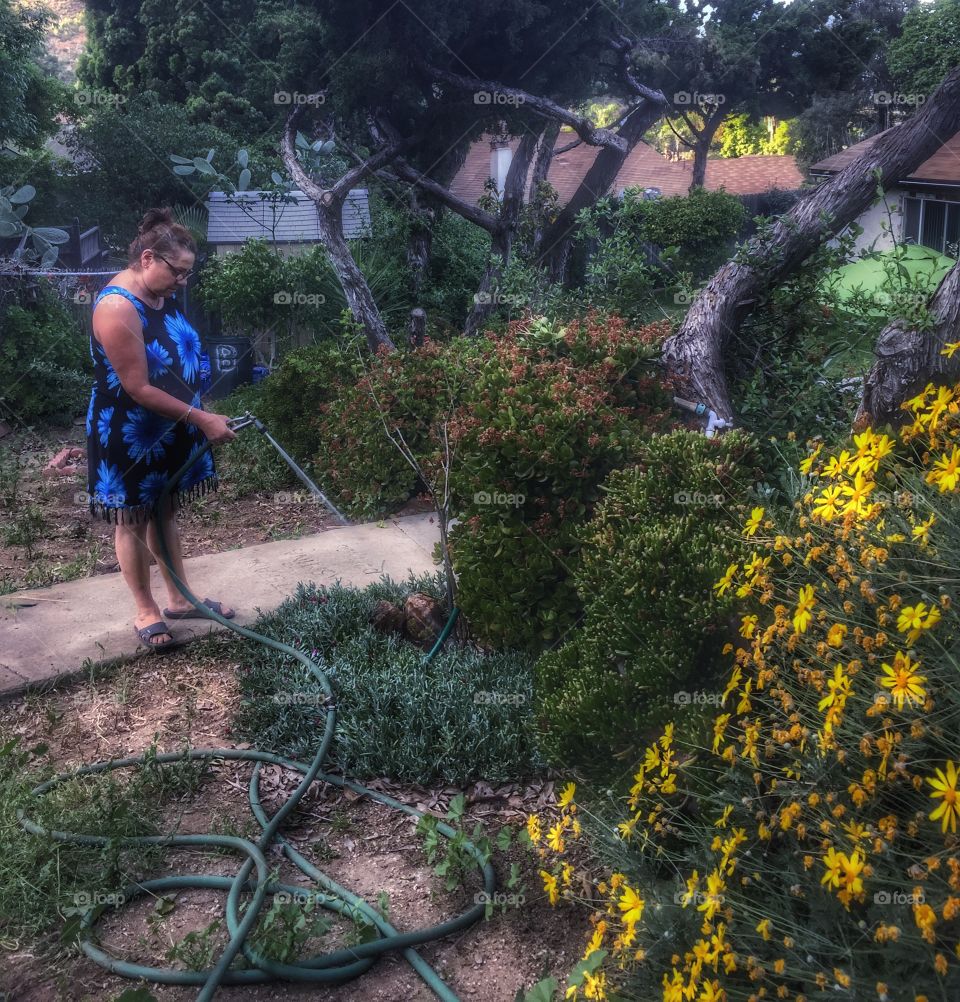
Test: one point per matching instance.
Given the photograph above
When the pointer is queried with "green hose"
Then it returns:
(332, 968)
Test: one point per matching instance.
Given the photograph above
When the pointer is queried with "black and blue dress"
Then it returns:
(132, 451)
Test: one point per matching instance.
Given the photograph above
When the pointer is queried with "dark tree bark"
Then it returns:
(694, 355)
(501, 240)
(558, 237)
(907, 360)
(541, 168)
(329, 205)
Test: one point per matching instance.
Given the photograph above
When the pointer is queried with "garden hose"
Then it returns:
(332, 968)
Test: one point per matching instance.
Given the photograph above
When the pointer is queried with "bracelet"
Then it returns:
(185, 416)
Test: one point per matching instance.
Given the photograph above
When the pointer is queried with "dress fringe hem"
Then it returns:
(135, 514)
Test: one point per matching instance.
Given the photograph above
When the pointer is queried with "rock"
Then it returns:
(387, 618)
(66, 463)
(424, 618)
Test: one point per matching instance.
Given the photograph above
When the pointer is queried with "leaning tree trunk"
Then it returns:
(558, 239)
(541, 170)
(694, 355)
(352, 280)
(501, 240)
(906, 359)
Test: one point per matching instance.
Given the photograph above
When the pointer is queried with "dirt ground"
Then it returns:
(67, 543)
(363, 845)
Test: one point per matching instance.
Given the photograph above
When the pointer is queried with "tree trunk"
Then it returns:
(907, 359)
(694, 355)
(557, 240)
(541, 169)
(355, 288)
(501, 241)
(701, 149)
(420, 241)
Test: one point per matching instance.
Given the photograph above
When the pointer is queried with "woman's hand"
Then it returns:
(214, 426)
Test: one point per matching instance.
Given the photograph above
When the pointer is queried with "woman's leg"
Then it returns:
(133, 555)
(176, 601)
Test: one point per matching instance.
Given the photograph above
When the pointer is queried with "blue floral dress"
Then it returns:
(131, 451)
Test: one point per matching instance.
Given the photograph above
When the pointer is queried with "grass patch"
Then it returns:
(467, 715)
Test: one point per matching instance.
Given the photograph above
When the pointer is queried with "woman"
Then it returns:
(145, 417)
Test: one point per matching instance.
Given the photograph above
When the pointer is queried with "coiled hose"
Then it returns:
(332, 968)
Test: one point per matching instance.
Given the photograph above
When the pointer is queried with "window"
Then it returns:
(933, 223)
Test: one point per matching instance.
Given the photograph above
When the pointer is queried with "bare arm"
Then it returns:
(118, 329)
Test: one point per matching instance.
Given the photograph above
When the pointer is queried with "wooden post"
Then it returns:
(418, 327)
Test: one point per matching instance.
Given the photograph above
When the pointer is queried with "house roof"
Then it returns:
(297, 222)
(644, 168)
(941, 168)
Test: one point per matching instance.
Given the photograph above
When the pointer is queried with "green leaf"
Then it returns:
(542, 992)
(276, 178)
(243, 158)
(244, 181)
(457, 806)
(24, 194)
(203, 166)
(180, 160)
(184, 170)
(49, 258)
(210, 156)
(8, 229)
(51, 234)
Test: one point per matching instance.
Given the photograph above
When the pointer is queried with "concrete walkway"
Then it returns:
(51, 632)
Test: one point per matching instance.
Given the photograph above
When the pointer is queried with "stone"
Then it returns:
(424, 618)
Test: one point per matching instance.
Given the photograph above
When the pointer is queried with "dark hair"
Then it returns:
(159, 231)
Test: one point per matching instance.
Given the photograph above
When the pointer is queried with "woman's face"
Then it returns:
(163, 278)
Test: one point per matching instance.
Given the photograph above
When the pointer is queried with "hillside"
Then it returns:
(65, 38)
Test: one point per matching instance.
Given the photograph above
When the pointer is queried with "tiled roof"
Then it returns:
(942, 167)
(644, 168)
(228, 223)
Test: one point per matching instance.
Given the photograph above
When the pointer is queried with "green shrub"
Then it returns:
(415, 389)
(45, 368)
(293, 394)
(548, 413)
(396, 717)
(652, 626)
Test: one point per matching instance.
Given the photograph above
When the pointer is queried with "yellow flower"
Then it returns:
(713, 897)
(802, 615)
(949, 349)
(631, 904)
(753, 522)
(550, 886)
(903, 681)
(567, 796)
(555, 837)
(946, 471)
(945, 787)
(747, 626)
(826, 506)
(596, 941)
(916, 619)
(763, 927)
(724, 583)
(835, 635)
(533, 828)
(922, 531)
(833, 861)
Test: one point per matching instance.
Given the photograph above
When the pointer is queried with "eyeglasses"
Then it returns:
(178, 273)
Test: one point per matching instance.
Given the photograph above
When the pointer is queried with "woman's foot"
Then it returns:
(182, 609)
(148, 618)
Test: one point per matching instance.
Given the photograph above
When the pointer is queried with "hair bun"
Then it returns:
(154, 216)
